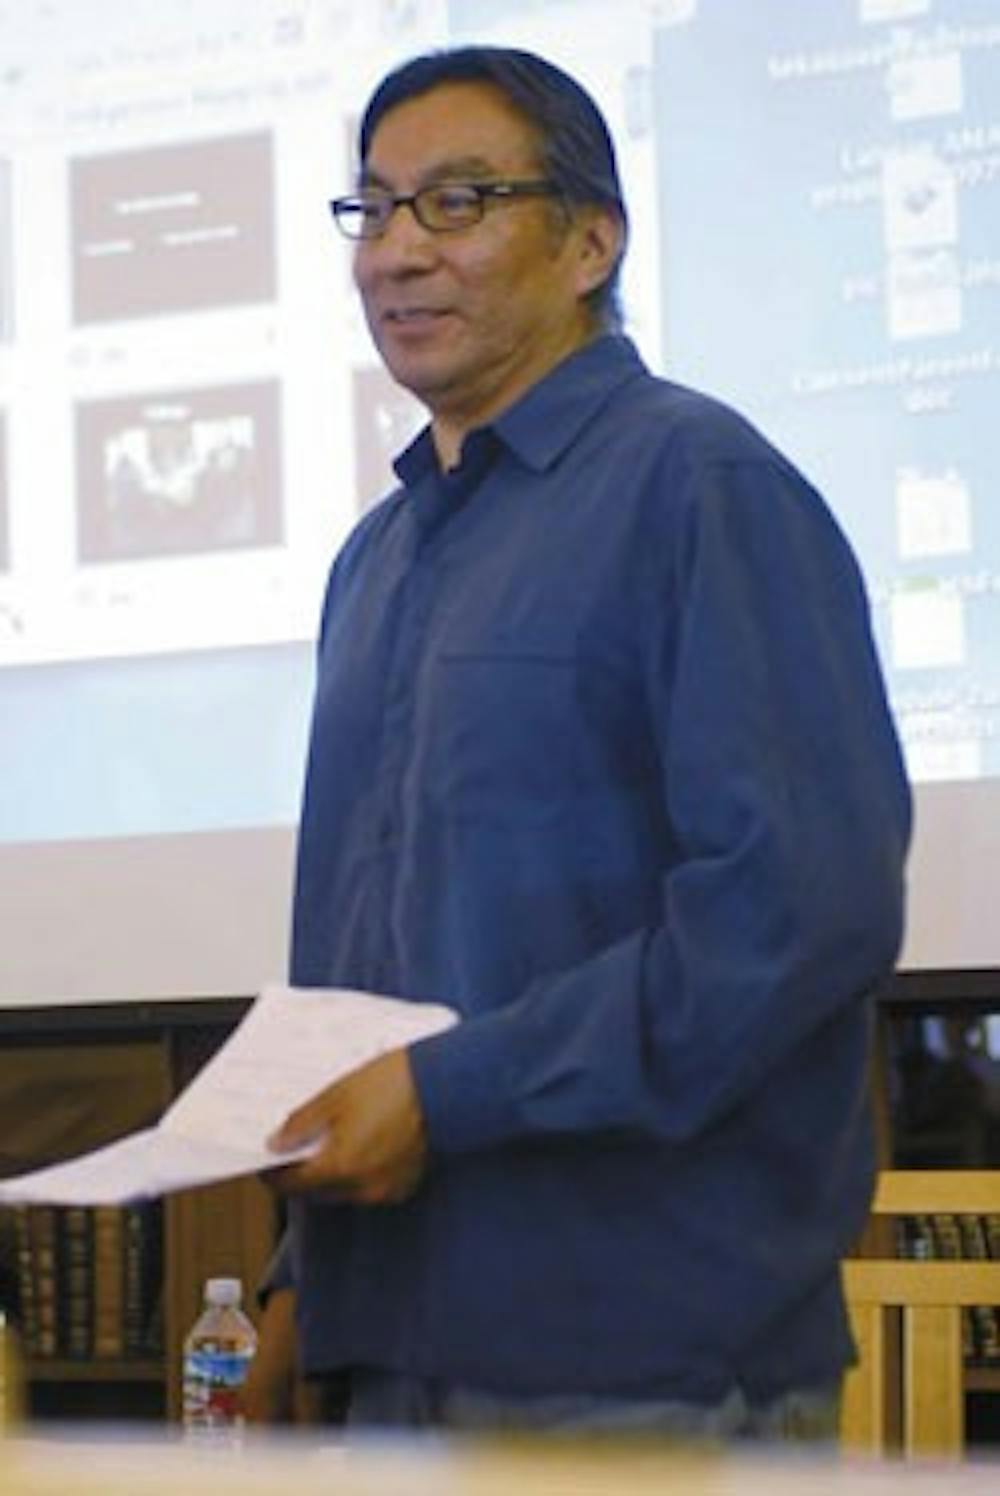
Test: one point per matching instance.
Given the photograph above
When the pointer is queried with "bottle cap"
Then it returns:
(223, 1293)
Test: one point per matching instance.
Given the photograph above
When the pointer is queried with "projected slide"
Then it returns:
(830, 217)
(178, 502)
(179, 473)
(6, 257)
(4, 522)
(173, 228)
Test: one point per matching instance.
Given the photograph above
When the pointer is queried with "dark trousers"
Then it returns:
(370, 1399)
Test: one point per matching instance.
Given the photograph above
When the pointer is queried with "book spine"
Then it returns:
(45, 1270)
(992, 1227)
(76, 1303)
(917, 1238)
(108, 1282)
(985, 1319)
(948, 1245)
(25, 1258)
(143, 1275)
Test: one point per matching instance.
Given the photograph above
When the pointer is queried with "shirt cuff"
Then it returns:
(461, 1080)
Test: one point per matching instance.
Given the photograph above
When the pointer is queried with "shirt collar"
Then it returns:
(539, 426)
(543, 423)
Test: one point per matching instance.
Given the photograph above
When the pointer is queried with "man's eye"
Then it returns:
(454, 201)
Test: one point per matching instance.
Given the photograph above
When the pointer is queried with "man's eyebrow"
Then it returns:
(453, 168)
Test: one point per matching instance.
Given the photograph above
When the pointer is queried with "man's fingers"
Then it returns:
(368, 1134)
(303, 1125)
(312, 1176)
(304, 1177)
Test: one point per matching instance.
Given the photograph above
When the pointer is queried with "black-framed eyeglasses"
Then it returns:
(442, 207)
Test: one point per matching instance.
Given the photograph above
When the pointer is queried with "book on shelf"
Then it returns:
(109, 1282)
(952, 1237)
(991, 1225)
(915, 1237)
(43, 1247)
(948, 1245)
(89, 1281)
(75, 1296)
(142, 1279)
(985, 1318)
(24, 1276)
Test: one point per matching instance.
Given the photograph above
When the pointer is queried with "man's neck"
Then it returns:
(449, 428)
(448, 444)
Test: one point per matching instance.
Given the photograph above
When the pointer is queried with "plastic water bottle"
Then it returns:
(217, 1356)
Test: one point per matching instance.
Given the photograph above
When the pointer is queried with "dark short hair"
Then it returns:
(578, 154)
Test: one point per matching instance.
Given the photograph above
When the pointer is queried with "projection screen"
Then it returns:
(192, 418)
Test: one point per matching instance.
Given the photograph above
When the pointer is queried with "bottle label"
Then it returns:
(212, 1383)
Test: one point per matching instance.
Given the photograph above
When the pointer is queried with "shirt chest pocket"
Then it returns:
(505, 736)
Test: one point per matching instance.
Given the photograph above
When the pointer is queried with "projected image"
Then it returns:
(863, 337)
(386, 418)
(6, 256)
(397, 16)
(4, 520)
(179, 473)
(174, 228)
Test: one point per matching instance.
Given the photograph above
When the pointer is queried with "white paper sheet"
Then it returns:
(291, 1044)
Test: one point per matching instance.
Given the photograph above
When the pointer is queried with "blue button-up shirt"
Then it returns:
(601, 757)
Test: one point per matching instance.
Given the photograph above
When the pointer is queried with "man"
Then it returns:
(601, 758)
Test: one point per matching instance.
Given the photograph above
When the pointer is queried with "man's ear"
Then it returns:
(601, 246)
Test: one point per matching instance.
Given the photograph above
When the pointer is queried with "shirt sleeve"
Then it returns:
(781, 898)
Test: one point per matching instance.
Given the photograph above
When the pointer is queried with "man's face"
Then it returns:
(468, 320)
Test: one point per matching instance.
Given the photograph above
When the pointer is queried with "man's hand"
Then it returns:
(374, 1147)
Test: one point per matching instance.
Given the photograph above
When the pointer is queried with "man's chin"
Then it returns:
(424, 379)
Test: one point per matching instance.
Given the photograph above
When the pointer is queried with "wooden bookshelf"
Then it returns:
(940, 1116)
(55, 1369)
(73, 1078)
